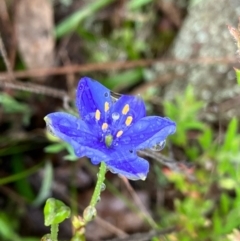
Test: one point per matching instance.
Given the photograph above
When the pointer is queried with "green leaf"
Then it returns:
(20, 175)
(55, 212)
(6, 228)
(217, 223)
(70, 23)
(22, 185)
(192, 153)
(206, 138)
(194, 125)
(10, 105)
(238, 75)
(124, 79)
(225, 203)
(227, 183)
(171, 110)
(55, 148)
(71, 156)
(46, 185)
(230, 134)
(184, 110)
(232, 221)
(135, 4)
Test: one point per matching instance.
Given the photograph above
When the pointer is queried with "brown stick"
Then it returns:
(110, 66)
(9, 75)
(144, 212)
(35, 88)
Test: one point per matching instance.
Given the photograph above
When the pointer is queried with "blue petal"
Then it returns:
(95, 154)
(128, 165)
(78, 134)
(136, 106)
(69, 128)
(91, 95)
(147, 132)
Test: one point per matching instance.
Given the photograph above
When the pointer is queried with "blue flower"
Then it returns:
(110, 129)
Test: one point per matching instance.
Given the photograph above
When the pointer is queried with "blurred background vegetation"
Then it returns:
(192, 190)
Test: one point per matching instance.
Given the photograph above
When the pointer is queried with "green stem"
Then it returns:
(54, 232)
(100, 180)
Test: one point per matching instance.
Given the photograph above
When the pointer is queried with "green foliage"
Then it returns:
(225, 153)
(23, 186)
(12, 106)
(58, 146)
(184, 111)
(136, 4)
(124, 79)
(127, 40)
(46, 185)
(71, 22)
(207, 210)
(117, 45)
(8, 229)
(61, 146)
(55, 212)
(238, 75)
(7, 226)
(20, 175)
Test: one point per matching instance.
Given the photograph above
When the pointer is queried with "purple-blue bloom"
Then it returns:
(110, 130)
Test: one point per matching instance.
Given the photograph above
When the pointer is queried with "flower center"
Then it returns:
(113, 129)
(108, 140)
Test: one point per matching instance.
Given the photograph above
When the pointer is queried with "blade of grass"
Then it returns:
(231, 133)
(15, 149)
(70, 23)
(23, 186)
(238, 75)
(46, 185)
(6, 228)
(20, 175)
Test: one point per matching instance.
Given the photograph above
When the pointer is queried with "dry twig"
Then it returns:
(35, 88)
(139, 203)
(9, 75)
(35, 73)
(174, 165)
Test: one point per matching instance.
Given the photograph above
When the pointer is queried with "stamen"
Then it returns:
(119, 133)
(128, 121)
(106, 106)
(104, 126)
(125, 109)
(97, 115)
